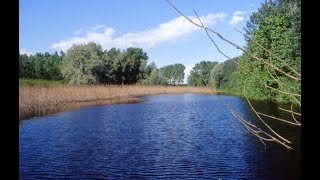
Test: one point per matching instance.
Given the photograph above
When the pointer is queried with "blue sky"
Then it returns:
(47, 26)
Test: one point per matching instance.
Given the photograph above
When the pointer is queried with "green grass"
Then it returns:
(39, 82)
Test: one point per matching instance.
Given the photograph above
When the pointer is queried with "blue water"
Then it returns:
(166, 136)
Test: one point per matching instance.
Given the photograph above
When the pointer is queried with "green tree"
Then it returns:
(217, 74)
(229, 69)
(200, 73)
(173, 74)
(135, 65)
(178, 74)
(23, 66)
(125, 67)
(153, 76)
(80, 63)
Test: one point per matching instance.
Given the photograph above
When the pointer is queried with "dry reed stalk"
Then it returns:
(33, 97)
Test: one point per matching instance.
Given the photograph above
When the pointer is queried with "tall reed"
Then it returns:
(32, 98)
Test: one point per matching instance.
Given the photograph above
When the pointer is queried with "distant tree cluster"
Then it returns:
(173, 74)
(213, 74)
(41, 66)
(222, 75)
(200, 73)
(90, 64)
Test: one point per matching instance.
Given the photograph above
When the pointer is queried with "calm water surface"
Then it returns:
(166, 136)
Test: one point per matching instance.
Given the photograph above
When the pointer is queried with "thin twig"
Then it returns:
(294, 118)
(284, 92)
(289, 111)
(283, 120)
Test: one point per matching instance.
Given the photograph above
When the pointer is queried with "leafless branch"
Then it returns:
(283, 120)
(289, 111)
(259, 117)
(254, 130)
(294, 118)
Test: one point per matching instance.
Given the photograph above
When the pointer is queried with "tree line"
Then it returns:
(41, 66)
(90, 64)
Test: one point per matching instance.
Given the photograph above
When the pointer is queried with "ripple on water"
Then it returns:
(166, 136)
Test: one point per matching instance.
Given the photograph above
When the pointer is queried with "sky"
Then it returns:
(166, 36)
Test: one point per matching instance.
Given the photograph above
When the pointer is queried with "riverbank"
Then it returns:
(40, 100)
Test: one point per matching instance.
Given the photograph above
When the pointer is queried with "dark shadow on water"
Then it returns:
(25, 114)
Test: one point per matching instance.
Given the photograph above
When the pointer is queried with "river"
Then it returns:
(165, 136)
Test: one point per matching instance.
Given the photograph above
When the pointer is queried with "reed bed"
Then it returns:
(37, 98)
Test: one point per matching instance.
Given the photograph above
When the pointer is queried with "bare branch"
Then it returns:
(202, 26)
(252, 128)
(294, 118)
(284, 92)
(283, 120)
(289, 111)
(266, 123)
(276, 79)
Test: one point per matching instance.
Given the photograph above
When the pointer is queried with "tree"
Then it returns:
(153, 76)
(217, 74)
(55, 64)
(23, 66)
(173, 74)
(125, 67)
(200, 73)
(178, 73)
(229, 70)
(80, 63)
(222, 75)
(135, 65)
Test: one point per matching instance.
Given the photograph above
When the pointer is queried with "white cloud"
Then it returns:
(174, 29)
(187, 72)
(237, 17)
(25, 51)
